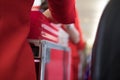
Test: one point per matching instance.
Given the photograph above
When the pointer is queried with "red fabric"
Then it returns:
(74, 50)
(74, 68)
(63, 11)
(54, 68)
(74, 61)
(16, 58)
(38, 25)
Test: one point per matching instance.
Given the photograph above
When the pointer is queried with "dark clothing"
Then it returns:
(106, 49)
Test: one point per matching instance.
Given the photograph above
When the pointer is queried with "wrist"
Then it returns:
(68, 26)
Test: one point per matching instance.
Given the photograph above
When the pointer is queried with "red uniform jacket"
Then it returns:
(63, 11)
(16, 59)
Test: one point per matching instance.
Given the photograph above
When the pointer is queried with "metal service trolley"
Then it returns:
(52, 60)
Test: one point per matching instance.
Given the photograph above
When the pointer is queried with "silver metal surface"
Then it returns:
(43, 60)
(45, 54)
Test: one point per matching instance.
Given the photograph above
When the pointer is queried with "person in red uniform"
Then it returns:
(16, 58)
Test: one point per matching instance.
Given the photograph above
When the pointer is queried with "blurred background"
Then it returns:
(89, 13)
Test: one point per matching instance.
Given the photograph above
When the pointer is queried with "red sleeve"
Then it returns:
(63, 11)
